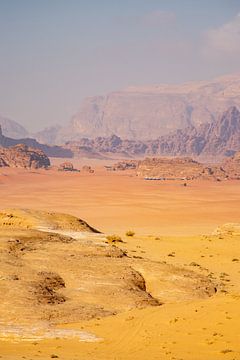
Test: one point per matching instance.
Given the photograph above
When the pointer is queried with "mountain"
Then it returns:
(219, 138)
(47, 135)
(12, 129)
(148, 112)
(24, 157)
(52, 151)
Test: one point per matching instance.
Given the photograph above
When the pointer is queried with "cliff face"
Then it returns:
(219, 138)
(146, 113)
(23, 157)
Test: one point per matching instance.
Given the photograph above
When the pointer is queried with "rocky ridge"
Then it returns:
(185, 168)
(178, 169)
(218, 138)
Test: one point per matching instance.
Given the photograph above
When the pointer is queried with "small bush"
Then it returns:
(130, 233)
(114, 239)
(226, 351)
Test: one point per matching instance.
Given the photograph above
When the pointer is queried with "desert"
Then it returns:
(120, 180)
(176, 280)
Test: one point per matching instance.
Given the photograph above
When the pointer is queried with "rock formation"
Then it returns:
(217, 138)
(88, 169)
(124, 165)
(56, 269)
(23, 157)
(178, 169)
(232, 166)
(102, 147)
(67, 166)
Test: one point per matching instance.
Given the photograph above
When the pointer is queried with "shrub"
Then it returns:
(114, 238)
(130, 233)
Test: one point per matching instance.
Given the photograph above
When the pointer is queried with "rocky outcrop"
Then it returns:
(52, 151)
(56, 269)
(146, 113)
(178, 169)
(187, 168)
(21, 156)
(232, 166)
(123, 165)
(67, 166)
(87, 169)
(101, 147)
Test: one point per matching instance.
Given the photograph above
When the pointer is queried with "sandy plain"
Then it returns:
(172, 223)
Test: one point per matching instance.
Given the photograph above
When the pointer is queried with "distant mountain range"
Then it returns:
(219, 138)
(160, 120)
(146, 113)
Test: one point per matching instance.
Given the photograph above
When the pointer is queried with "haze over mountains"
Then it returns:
(145, 113)
(218, 138)
(12, 129)
(53, 151)
(178, 120)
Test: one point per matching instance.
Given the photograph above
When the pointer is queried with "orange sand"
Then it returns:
(115, 202)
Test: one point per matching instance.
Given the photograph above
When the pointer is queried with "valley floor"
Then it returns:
(172, 223)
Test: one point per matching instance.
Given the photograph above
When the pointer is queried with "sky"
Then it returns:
(54, 53)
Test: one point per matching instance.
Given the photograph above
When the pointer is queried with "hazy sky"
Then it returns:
(53, 53)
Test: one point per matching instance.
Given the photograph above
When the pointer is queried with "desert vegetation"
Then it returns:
(114, 239)
(130, 233)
